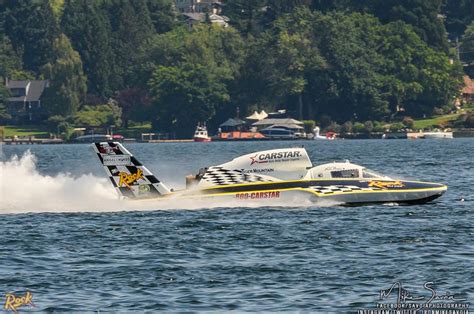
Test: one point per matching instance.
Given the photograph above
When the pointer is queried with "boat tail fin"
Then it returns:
(127, 174)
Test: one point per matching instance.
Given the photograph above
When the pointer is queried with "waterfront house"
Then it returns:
(232, 125)
(24, 103)
(467, 92)
(280, 122)
(192, 19)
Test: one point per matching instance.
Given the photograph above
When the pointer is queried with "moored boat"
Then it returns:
(201, 135)
(438, 134)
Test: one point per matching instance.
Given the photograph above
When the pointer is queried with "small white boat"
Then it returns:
(438, 134)
(200, 135)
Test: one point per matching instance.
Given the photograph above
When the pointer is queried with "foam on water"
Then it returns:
(24, 189)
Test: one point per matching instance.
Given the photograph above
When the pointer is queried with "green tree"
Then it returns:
(99, 116)
(10, 67)
(350, 87)
(4, 115)
(212, 54)
(467, 44)
(368, 126)
(358, 127)
(9, 60)
(131, 26)
(185, 95)
(162, 15)
(459, 14)
(251, 90)
(276, 8)
(418, 78)
(32, 28)
(67, 80)
(293, 55)
(245, 15)
(423, 15)
(396, 127)
(57, 7)
(347, 127)
(135, 103)
(89, 30)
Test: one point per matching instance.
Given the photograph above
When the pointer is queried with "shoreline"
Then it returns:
(460, 133)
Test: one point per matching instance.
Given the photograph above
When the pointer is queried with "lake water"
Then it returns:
(68, 240)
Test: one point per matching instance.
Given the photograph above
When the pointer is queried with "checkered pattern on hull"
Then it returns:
(330, 189)
(222, 176)
(137, 181)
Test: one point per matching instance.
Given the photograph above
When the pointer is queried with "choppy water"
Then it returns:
(67, 239)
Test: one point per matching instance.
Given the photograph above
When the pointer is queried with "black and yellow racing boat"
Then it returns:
(279, 174)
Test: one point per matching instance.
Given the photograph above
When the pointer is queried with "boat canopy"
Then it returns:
(257, 116)
(343, 170)
(269, 165)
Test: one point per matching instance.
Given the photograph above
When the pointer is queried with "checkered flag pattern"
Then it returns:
(221, 176)
(143, 180)
(330, 189)
(126, 173)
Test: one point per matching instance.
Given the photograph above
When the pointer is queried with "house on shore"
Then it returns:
(467, 92)
(279, 122)
(276, 125)
(24, 103)
(200, 11)
(231, 125)
(192, 19)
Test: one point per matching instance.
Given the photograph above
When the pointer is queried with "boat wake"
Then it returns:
(23, 189)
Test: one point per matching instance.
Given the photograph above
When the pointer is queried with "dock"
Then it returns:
(31, 140)
(167, 141)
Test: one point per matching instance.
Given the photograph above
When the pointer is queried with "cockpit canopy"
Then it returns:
(343, 170)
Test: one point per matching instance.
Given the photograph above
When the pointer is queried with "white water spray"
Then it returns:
(24, 189)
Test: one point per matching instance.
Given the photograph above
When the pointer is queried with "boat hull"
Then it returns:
(346, 183)
(202, 139)
(351, 192)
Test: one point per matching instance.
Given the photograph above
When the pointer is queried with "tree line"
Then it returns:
(117, 61)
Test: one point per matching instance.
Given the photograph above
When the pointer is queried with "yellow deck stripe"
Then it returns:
(305, 180)
(443, 188)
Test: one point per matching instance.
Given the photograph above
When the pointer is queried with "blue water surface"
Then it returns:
(285, 258)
